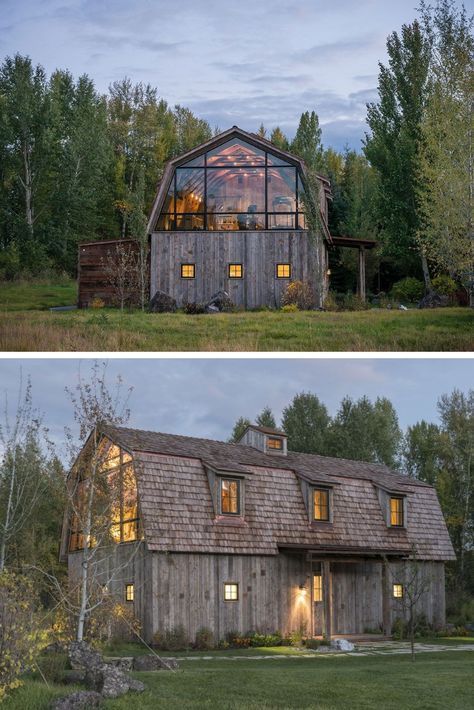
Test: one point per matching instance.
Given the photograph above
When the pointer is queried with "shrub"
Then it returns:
(19, 632)
(97, 303)
(399, 629)
(265, 639)
(53, 666)
(204, 639)
(352, 302)
(445, 286)
(330, 304)
(10, 266)
(408, 289)
(193, 309)
(290, 308)
(299, 293)
(174, 639)
(312, 643)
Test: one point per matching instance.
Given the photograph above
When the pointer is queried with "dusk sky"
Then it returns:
(231, 61)
(204, 397)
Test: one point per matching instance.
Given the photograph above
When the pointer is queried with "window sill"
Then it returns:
(234, 521)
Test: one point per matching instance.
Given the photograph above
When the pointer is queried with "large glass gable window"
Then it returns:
(234, 186)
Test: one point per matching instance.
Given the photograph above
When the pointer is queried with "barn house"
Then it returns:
(253, 537)
(230, 215)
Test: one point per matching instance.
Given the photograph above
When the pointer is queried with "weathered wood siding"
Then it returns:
(189, 590)
(432, 602)
(92, 278)
(356, 597)
(212, 252)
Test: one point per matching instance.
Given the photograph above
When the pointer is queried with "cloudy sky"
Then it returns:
(232, 61)
(204, 397)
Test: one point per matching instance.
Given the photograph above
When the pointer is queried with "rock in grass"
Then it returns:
(433, 300)
(150, 662)
(162, 303)
(82, 700)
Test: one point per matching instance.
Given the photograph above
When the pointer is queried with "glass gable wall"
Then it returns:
(234, 186)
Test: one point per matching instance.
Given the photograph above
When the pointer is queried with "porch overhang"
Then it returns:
(362, 245)
(326, 552)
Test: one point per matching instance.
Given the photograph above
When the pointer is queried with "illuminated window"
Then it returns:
(398, 591)
(317, 588)
(274, 443)
(129, 593)
(321, 504)
(235, 271)
(231, 592)
(396, 512)
(283, 271)
(230, 496)
(188, 271)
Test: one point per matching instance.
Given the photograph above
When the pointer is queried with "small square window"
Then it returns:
(396, 512)
(398, 591)
(283, 271)
(231, 592)
(274, 443)
(321, 504)
(317, 588)
(230, 496)
(188, 271)
(236, 271)
(129, 593)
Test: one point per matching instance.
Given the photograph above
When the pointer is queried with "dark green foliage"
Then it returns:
(305, 422)
(266, 418)
(53, 666)
(444, 285)
(174, 639)
(409, 290)
(204, 639)
(193, 308)
(307, 142)
(239, 429)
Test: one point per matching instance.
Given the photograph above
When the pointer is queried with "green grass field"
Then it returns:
(434, 681)
(27, 325)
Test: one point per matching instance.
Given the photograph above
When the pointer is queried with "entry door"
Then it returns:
(318, 604)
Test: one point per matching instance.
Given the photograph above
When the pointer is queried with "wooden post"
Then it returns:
(362, 290)
(327, 599)
(386, 615)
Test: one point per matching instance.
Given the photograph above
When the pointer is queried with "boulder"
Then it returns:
(220, 300)
(150, 662)
(82, 657)
(125, 663)
(136, 686)
(112, 682)
(162, 303)
(73, 678)
(342, 645)
(434, 300)
(82, 700)
(212, 309)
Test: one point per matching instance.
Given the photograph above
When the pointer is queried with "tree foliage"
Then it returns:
(305, 421)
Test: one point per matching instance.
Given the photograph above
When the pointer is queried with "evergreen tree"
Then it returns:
(421, 452)
(305, 422)
(262, 131)
(266, 418)
(393, 146)
(279, 139)
(239, 429)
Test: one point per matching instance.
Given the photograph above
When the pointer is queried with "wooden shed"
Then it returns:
(253, 537)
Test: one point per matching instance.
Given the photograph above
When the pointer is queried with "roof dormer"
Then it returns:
(270, 441)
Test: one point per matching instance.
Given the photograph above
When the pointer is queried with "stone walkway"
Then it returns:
(381, 648)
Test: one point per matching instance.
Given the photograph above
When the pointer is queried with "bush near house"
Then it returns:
(300, 294)
(408, 290)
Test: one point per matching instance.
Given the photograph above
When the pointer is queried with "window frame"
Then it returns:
(317, 588)
(229, 269)
(327, 491)
(400, 514)
(275, 439)
(282, 264)
(130, 593)
(186, 264)
(398, 591)
(226, 591)
(238, 481)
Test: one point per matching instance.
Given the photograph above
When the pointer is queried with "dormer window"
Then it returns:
(274, 443)
(321, 505)
(397, 516)
(230, 500)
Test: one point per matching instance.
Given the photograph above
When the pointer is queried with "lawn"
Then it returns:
(435, 680)
(27, 325)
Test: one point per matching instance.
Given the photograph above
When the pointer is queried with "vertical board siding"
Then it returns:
(212, 252)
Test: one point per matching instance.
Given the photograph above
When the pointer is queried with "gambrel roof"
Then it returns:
(234, 132)
(177, 510)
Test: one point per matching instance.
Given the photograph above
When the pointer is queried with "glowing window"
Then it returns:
(129, 593)
(230, 496)
(283, 271)
(231, 592)
(321, 504)
(188, 271)
(274, 443)
(317, 588)
(398, 591)
(236, 271)
(396, 512)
